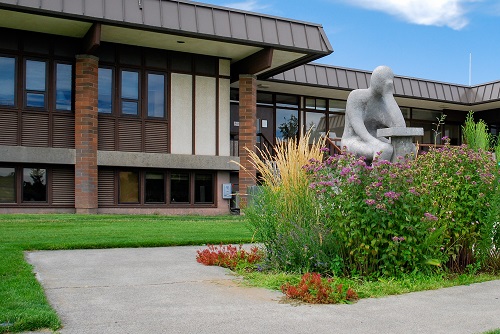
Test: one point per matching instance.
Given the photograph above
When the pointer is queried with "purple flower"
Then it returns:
(370, 201)
(430, 216)
(324, 149)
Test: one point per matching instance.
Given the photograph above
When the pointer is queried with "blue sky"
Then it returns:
(429, 39)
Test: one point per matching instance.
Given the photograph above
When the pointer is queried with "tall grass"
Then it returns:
(285, 214)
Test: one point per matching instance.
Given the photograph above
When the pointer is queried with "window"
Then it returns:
(179, 188)
(316, 123)
(7, 185)
(105, 89)
(287, 124)
(129, 187)
(130, 92)
(7, 81)
(156, 95)
(203, 188)
(63, 86)
(155, 188)
(34, 185)
(35, 83)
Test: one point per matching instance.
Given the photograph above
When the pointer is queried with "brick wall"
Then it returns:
(86, 71)
(247, 131)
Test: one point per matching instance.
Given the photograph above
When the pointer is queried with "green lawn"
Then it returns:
(22, 301)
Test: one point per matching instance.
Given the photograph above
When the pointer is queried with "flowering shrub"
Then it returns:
(317, 290)
(228, 256)
(400, 217)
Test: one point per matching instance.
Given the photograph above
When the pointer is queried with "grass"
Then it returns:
(373, 289)
(23, 304)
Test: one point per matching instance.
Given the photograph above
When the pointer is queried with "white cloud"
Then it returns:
(449, 13)
(250, 5)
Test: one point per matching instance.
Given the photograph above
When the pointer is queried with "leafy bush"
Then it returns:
(317, 290)
(344, 217)
(476, 135)
(228, 256)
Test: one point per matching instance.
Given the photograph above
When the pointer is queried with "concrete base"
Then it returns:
(401, 140)
(86, 211)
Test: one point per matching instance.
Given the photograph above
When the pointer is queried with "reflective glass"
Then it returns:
(105, 95)
(34, 185)
(287, 123)
(35, 100)
(155, 188)
(7, 185)
(336, 105)
(156, 95)
(35, 75)
(203, 186)
(7, 80)
(130, 85)
(129, 108)
(316, 123)
(35, 83)
(179, 188)
(63, 86)
(129, 187)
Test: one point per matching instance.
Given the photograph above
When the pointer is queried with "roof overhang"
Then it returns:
(178, 26)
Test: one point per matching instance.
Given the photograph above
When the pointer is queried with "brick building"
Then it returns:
(142, 106)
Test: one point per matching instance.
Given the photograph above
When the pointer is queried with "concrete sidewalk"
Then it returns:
(164, 290)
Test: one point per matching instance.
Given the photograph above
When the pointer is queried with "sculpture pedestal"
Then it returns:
(401, 140)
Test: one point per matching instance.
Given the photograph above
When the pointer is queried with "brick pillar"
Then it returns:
(247, 132)
(86, 70)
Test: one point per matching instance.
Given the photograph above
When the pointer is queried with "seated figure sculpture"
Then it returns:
(368, 110)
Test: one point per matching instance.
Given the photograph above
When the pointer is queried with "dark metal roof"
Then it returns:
(189, 19)
(349, 79)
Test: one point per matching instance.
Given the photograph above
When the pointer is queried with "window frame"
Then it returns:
(47, 61)
(15, 83)
(55, 62)
(139, 92)
(165, 94)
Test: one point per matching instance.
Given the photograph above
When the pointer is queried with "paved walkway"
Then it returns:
(164, 290)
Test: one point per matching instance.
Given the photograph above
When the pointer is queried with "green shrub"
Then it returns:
(476, 135)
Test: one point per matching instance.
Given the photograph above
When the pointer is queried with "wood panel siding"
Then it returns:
(106, 188)
(35, 129)
(130, 135)
(8, 128)
(63, 187)
(63, 131)
(156, 137)
(106, 134)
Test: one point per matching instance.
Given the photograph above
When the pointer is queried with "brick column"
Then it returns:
(86, 70)
(247, 132)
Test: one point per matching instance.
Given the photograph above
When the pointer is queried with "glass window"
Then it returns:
(319, 104)
(155, 188)
(156, 95)
(427, 115)
(406, 112)
(35, 83)
(7, 81)
(316, 123)
(179, 188)
(130, 93)
(287, 101)
(203, 188)
(105, 91)
(129, 187)
(7, 185)
(264, 98)
(336, 105)
(63, 86)
(34, 185)
(287, 123)
(336, 124)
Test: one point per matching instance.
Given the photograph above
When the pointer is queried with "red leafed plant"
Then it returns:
(228, 256)
(317, 290)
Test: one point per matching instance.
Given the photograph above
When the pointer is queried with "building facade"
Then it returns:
(126, 106)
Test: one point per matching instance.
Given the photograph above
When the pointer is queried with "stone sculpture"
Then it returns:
(369, 110)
